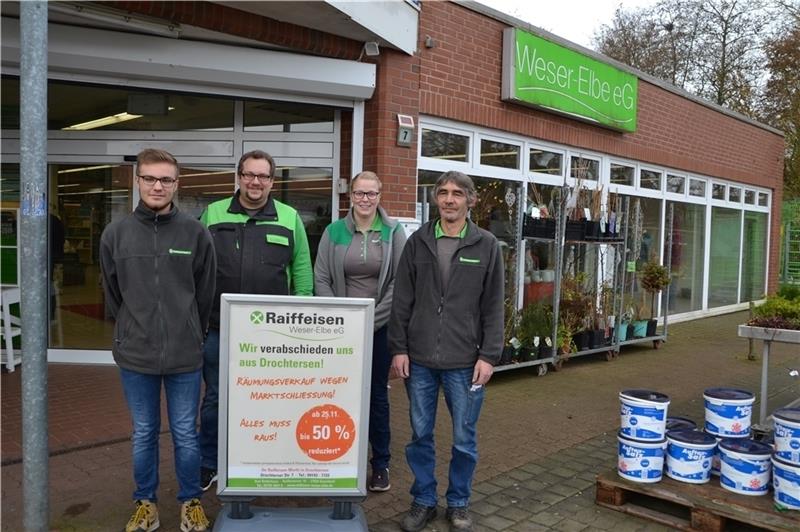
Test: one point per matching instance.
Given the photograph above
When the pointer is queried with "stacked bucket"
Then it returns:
(641, 437)
(786, 459)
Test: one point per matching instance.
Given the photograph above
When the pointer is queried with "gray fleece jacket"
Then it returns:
(329, 267)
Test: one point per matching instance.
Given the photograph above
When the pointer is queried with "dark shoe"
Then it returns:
(380, 480)
(417, 517)
(207, 477)
(459, 519)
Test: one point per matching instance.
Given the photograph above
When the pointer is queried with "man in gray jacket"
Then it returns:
(159, 269)
(446, 331)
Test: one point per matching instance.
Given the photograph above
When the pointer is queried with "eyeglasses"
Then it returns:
(247, 177)
(359, 194)
(150, 181)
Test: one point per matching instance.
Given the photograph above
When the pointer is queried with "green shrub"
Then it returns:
(777, 312)
(789, 291)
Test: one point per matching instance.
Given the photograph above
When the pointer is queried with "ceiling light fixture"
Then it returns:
(101, 122)
(117, 18)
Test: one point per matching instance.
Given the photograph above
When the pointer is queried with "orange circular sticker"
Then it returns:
(325, 433)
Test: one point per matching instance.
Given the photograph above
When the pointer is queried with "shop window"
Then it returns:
(754, 256)
(734, 194)
(718, 191)
(750, 197)
(621, 174)
(81, 107)
(499, 154)
(676, 184)
(9, 228)
(685, 292)
(443, 145)
(697, 187)
(723, 285)
(287, 117)
(198, 187)
(546, 162)
(763, 199)
(650, 179)
(584, 168)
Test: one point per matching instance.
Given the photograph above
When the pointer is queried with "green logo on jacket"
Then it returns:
(179, 251)
(469, 261)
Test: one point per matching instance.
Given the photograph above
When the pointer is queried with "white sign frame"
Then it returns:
(305, 324)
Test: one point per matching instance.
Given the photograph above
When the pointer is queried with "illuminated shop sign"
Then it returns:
(540, 73)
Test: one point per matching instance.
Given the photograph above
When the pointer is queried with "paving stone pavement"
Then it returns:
(542, 440)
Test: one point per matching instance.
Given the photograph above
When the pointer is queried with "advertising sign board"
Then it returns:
(543, 74)
(294, 395)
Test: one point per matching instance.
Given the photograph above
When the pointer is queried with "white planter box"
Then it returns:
(787, 336)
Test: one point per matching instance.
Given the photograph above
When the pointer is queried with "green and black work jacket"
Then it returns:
(266, 253)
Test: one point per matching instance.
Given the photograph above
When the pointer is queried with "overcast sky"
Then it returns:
(574, 20)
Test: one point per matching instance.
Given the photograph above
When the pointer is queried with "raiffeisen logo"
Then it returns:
(256, 317)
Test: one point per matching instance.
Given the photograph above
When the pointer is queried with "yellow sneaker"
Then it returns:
(144, 518)
(193, 518)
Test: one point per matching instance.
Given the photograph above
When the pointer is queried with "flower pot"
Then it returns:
(575, 230)
(582, 340)
(591, 230)
(622, 331)
(545, 351)
(629, 334)
(539, 227)
(598, 338)
(640, 328)
(651, 327)
(526, 354)
(508, 354)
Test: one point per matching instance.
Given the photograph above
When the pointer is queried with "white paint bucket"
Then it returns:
(680, 423)
(745, 467)
(643, 414)
(728, 412)
(786, 481)
(689, 455)
(640, 461)
(787, 434)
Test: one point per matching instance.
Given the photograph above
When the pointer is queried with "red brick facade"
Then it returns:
(460, 79)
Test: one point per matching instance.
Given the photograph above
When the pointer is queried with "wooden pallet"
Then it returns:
(696, 507)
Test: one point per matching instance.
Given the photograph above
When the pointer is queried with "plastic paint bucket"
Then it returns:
(728, 412)
(689, 454)
(640, 461)
(787, 434)
(745, 466)
(643, 414)
(680, 423)
(786, 481)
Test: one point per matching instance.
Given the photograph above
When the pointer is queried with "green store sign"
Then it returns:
(543, 74)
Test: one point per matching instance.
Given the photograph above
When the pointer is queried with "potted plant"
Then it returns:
(538, 222)
(533, 330)
(654, 278)
(574, 306)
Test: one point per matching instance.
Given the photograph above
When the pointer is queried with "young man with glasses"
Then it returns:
(358, 257)
(158, 267)
(262, 248)
(446, 331)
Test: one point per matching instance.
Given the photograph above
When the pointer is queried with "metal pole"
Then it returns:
(762, 408)
(34, 297)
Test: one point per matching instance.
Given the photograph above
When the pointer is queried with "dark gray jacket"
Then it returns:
(158, 276)
(450, 328)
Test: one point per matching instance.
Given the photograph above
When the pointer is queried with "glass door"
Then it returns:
(85, 198)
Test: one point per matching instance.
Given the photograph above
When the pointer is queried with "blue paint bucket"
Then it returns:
(643, 414)
(786, 481)
(680, 423)
(787, 434)
(640, 461)
(689, 454)
(728, 412)
(745, 466)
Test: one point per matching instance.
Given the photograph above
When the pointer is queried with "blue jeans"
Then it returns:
(143, 395)
(464, 405)
(379, 432)
(209, 411)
